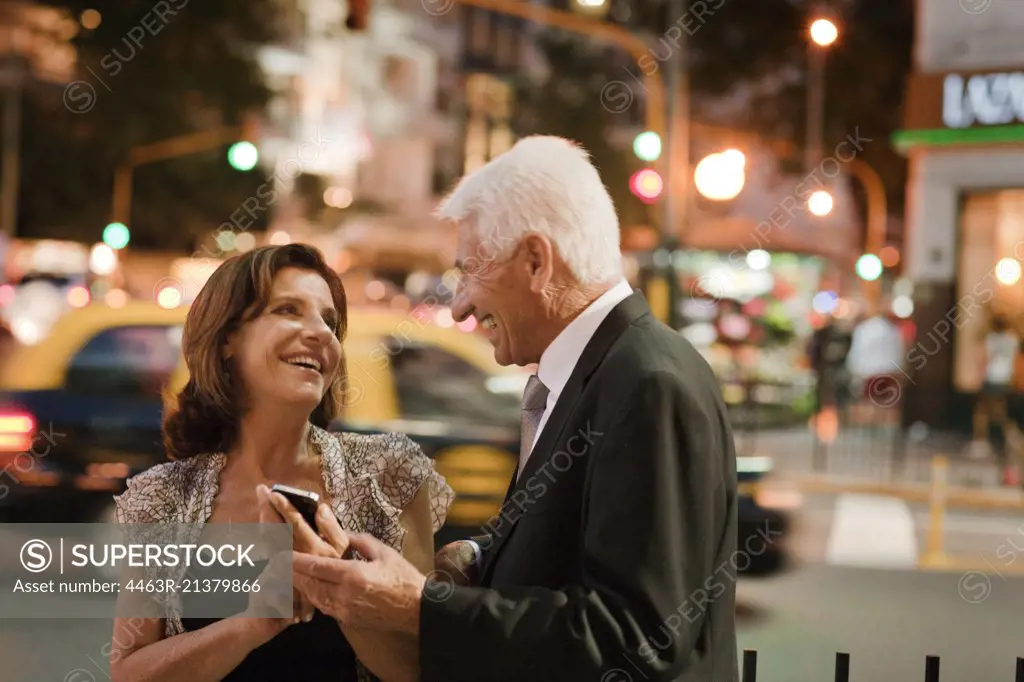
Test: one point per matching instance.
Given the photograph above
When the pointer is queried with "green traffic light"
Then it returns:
(116, 235)
(243, 156)
(647, 146)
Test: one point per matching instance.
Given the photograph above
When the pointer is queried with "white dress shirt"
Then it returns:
(559, 359)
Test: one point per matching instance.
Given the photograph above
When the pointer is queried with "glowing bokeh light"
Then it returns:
(169, 297)
(1008, 271)
(821, 203)
(825, 302)
(78, 297)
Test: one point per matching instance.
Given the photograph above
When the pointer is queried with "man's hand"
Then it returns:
(456, 563)
(382, 592)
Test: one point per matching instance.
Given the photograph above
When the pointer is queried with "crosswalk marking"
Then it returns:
(872, 531)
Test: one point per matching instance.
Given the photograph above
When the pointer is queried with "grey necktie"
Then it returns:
(535, 399)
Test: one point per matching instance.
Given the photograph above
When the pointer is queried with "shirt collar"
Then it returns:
(560, 358)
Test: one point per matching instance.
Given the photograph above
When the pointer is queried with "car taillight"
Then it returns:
(16, 431)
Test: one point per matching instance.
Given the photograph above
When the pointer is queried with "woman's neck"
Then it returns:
(271, 444)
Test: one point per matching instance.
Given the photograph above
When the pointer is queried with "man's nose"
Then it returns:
(461, 308)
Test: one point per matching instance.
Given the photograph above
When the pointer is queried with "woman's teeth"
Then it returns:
(305, 361)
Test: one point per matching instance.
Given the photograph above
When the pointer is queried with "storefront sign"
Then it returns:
(983, 99)
(963, 108)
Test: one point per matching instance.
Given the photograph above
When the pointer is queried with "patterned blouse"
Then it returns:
(369, 479)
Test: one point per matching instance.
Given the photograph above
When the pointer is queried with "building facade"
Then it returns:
(352, 137)
(964, 136)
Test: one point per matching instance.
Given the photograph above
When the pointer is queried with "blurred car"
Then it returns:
(37, 300)
(81, 412)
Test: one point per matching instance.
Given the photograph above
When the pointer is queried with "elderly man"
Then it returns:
(613, 556)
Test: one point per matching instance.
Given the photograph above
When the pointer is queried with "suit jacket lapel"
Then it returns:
(617, 321)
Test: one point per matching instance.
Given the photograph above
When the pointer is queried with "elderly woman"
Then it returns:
(263, 346)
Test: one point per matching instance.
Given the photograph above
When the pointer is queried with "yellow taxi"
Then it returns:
(81, 411)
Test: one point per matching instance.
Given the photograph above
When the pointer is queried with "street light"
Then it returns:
(821, 203)
(1008, 271)
(824, 32)
(592, 8)
(175, 147)
(721, 176)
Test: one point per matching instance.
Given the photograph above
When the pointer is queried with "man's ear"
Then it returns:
(540, 259)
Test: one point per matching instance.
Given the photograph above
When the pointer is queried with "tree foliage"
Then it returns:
(148, 72)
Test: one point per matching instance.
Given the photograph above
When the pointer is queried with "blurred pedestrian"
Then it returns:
(262, 342)
(876, 361)
(616, 546)
(997, 358)
(829, 348)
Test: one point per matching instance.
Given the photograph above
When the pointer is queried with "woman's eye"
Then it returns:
(287, 309)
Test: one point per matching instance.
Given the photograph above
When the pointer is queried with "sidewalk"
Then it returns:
(870, 455)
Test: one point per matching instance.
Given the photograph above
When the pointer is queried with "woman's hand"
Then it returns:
(332, 540)
(271, 610)
(275, 508)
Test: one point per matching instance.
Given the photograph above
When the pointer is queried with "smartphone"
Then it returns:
(303, 500)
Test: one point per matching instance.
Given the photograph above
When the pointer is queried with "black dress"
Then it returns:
(314, 651)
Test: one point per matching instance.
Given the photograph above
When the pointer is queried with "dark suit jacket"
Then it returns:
(613, 558)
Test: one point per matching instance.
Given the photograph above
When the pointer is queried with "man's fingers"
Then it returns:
(367, 545)
(307, 586)
(323, 568)
(301, 606)
(328, 525)
(458, 559)
(315, 592)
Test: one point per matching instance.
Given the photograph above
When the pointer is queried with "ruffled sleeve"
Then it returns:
(388, 470)
(406, 470)
(149, 498)
(150, 512)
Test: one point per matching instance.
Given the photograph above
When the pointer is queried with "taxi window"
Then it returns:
(130, 360)
(433, 384)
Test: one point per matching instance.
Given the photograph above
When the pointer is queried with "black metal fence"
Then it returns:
(842, 671)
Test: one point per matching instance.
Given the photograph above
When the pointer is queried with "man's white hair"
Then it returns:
(546, 185)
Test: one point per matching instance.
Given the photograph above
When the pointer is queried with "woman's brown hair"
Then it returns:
(204, 416)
